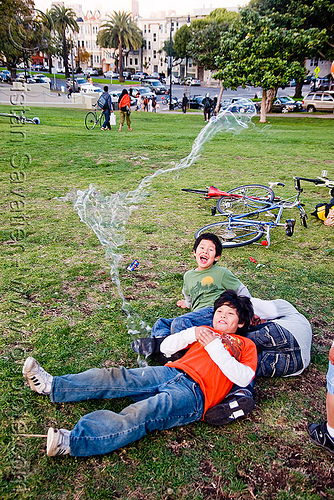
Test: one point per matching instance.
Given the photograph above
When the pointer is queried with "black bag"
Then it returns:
(322, 209)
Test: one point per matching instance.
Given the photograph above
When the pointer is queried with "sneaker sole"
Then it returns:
(52, 443)
(226, 412)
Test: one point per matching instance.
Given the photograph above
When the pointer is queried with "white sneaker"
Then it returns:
(58, 442)
(38, 379)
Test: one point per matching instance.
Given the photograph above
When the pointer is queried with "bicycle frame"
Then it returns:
(267, 225)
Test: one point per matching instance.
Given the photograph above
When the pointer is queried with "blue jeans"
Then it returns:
(163, 327)
(106, 123)
(278, 352)
(165, 397)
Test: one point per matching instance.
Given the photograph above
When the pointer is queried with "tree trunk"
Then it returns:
(271, 94)
(65, 56)
(298, 89)
(263, 118)
(120, 62)
(221, 90)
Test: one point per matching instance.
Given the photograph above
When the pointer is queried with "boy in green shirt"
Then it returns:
(201, 287)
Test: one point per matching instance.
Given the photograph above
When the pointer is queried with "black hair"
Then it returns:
(105, 88)
(211, 237)
(241, 304)
(124, 91)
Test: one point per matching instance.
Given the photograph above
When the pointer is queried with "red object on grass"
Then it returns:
(252, 260)
(264, 243)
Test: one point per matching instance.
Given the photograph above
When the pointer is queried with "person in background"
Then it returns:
(184, 103)
(207, 105)
(107, 109)
(124, 103)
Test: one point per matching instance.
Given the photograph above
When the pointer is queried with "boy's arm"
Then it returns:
(243, 290)
(237, 372)
(184, 303)
(177, 341)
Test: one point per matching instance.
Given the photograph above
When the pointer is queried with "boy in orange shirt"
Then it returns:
(165, 396)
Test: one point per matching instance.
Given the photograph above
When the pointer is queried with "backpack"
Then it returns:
(322, 209)
(102, 102)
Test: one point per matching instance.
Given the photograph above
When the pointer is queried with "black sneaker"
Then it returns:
(320, 436)
(147, 345)
(231, 408)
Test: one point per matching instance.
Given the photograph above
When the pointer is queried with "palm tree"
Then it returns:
(120, 32)
(64, 19)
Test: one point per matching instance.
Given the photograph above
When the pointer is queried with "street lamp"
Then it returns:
(170, 63)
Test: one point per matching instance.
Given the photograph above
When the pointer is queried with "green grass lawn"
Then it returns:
(60, 305)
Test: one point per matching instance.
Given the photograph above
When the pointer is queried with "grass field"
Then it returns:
(60, 305)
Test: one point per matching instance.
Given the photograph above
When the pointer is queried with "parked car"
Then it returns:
(144, 91)
(189, 80)
(319, 101)
(109, 74)
(139, 76)
(45, 79)
(88, 88)
(91, 72)
(195, 102)
(78, 82)
(155, 86)
(320, 84)
(284, 104)
(158, 76)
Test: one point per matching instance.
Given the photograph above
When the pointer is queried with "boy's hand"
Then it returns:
(182, 303)
(331, 355)
(204, 335)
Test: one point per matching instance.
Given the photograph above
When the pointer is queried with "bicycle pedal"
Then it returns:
(213, 210)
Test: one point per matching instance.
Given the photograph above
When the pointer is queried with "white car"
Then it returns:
(90, 71)
(87, 88)
(45, 79)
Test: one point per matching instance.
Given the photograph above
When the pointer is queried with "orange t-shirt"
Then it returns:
(200, 367)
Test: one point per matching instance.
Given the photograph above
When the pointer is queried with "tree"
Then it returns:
(64, 20)
(255, 51)
(204, 44)
(302, 14)
(120, 32)
(53, 41)
(181, 39)
(21, 33)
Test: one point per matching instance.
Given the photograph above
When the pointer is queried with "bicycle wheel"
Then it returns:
(90, 120)
(235, 233)
(101, 119)
(246, 199)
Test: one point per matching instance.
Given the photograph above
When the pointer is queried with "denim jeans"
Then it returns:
(278, 352)
(163, 327)
(165, 397)
(106, 123)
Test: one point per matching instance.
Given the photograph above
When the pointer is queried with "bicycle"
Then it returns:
(318, 181)
(242, 199)
(93, 118)
(21, 118)
(240, 230)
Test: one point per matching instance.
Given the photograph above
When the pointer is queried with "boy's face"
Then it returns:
(205, 255)
(226, 319)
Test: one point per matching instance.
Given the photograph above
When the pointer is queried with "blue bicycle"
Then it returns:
(243, 209)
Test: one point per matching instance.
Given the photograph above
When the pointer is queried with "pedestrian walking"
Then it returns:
(184, 103)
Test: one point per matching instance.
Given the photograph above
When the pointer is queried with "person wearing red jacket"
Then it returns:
(124, 103)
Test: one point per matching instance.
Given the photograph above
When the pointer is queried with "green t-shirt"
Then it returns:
(204, 287)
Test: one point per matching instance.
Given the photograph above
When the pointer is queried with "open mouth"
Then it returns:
(203, 259)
